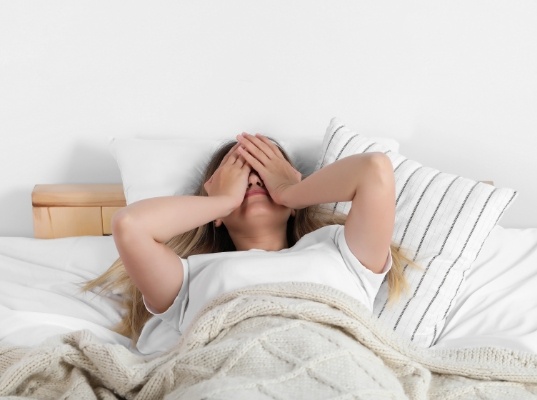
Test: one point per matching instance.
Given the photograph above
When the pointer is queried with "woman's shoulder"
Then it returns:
(328, 229)
(323, 234)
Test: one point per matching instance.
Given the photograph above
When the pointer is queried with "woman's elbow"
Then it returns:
(380, 169)
(122, 224)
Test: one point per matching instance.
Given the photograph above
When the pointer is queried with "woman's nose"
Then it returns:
(254, 179)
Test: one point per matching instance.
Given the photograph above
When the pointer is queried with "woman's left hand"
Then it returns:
(265, 157)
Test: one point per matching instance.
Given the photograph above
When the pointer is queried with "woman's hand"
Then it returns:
(266, 158)
(231, 178)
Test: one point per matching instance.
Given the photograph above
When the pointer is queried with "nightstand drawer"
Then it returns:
(56, 222)
(75, 210)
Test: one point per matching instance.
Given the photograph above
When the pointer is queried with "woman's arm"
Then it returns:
(364, 179)
(141, 230)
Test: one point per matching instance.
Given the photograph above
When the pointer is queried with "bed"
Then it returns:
(467, 328)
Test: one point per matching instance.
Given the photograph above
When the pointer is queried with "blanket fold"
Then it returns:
(279, 341)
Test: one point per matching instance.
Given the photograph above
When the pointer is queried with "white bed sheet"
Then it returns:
(40, 289)
(497, 305)
(40, 292)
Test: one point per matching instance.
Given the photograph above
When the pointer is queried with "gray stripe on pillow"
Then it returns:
(401, 163)
(368, 147)
(337, 158)
(434, 215)
(414, 212)
(434, 258)
(452, 265)
(334, 208)
(405, 184)
(377, 151)
(426, 231)
(433, 339)
(329, 143)
(345, 146)
(505, 208)
(464, 274)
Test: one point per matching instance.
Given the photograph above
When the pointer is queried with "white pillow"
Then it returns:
(152, 168)
(166, 167)
(442, 221)
(497, 301)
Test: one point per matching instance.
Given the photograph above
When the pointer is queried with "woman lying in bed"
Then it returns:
(255, 221)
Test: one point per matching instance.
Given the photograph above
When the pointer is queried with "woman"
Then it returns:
(255, 221)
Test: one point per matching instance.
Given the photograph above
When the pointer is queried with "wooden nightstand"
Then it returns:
(75, 210)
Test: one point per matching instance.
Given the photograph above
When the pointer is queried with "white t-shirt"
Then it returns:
(322, 256)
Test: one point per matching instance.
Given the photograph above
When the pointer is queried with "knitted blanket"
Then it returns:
(285, 341)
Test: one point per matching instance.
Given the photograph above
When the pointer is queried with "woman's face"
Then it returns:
(258, 218)
(258, 212)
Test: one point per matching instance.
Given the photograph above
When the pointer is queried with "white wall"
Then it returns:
(455, 82)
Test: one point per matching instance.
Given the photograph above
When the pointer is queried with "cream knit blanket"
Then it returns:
(286, 341)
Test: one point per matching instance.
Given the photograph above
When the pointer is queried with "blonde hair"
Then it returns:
(210, 239)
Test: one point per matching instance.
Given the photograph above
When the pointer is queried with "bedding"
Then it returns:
(40, 293)
(294, 340)
(46, 319)
(472, 301)
(40, 289)
(497, 305)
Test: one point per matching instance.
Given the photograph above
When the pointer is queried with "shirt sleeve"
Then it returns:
(175, 313)
(369, 280)
(162, 331)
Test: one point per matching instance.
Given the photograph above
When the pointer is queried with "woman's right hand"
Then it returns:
(231, 178)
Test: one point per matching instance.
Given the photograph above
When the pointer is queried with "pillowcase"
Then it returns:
(167, 167)
(305, 152)
(152, 167)
(497, 301)
(442, 221)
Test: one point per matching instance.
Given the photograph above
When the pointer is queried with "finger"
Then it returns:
(263, 145)
(229, 153)
(252, 161)
(251, 144)
(234, 158)
(231, 159)
(240, 161)
(269, 143)
(246, 167)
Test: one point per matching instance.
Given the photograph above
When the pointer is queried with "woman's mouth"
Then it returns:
(254, 192)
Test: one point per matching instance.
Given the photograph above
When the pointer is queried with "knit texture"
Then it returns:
(285, 341)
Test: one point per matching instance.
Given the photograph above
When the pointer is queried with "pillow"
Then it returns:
(305, 152)
(166, 167)
(442, 221)
(152, 168)
(498, 295)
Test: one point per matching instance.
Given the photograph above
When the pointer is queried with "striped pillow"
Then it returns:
(442, 221)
